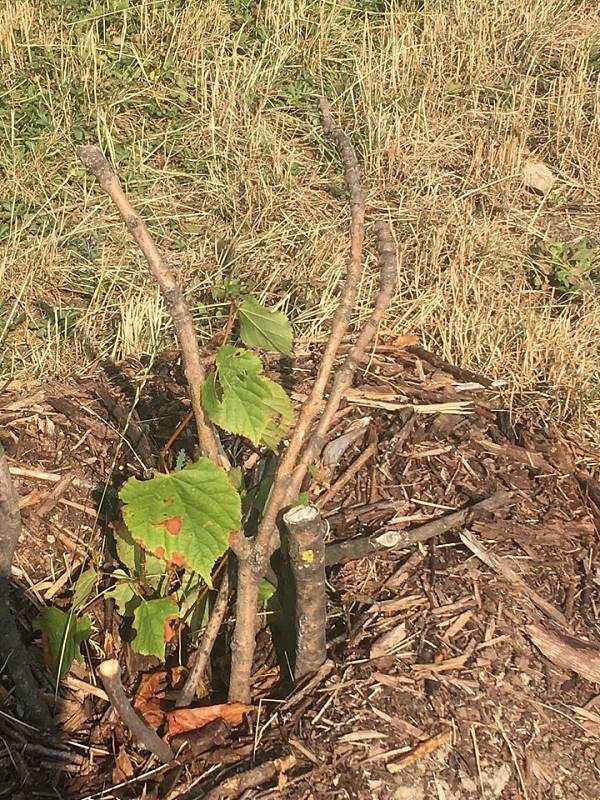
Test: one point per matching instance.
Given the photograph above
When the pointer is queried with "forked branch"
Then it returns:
(307, 445)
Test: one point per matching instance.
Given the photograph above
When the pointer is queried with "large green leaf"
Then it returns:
(151, 621)
(185, 517)
(241, 400)
(263, 328)
(64, 633)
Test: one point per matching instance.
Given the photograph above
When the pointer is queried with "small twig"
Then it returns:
(459, 373)
(420, 751)
(307, 559)
(93, 159)
(382, 541)
(110, 673)
(55, 495)
(12, 651)
(208, 640)
(257, 776)
(344, 479)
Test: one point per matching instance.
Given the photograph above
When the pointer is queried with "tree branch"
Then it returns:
(13, 654)
(339, 326)
(208, 640)
(387, 541)
(110, 673)
(93, 159)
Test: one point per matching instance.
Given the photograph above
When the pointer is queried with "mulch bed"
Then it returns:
(433, 687)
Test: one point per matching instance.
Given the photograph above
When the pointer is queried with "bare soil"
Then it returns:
(457, 702)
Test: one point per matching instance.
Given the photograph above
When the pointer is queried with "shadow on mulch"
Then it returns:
(434, 687)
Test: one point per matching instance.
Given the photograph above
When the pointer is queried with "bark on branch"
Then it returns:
(289, 475)
(13, 655)
(110, 673)
(208, 640)
(386, 541)
(93, 159)
(306, 546)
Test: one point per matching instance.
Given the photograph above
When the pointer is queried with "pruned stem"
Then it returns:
(12, 651)
(306, 545)
(208, 640)
(382, 541)
(93, 159)
(110, 673)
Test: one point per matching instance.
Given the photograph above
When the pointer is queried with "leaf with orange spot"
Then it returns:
(184, 517)
(183, 720)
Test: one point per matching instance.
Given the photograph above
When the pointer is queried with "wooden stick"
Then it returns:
(110, 673)
(12, 651)
(257, 776)
(208, 640)
(382, 541)
(93, 159)
(306, 546)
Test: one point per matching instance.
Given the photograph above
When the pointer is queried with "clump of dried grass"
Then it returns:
(210, 110)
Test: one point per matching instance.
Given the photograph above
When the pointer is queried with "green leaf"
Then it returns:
(124, 594)
(303, 499)
(241, 400)
(65, 633)
(263, 328)
(185, 517)
(281, 415)
(151, 621)
(83, 588)
(266, 590)
(130, 554)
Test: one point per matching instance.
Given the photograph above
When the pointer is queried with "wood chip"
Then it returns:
(420, 751)
(567, 652)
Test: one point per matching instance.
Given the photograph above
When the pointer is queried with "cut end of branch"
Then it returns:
(109, 670)
(300, 515)
(95, 161)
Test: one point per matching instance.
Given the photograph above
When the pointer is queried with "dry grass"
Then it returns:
(208, 108)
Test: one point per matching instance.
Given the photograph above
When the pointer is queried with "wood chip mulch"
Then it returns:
(467, 666)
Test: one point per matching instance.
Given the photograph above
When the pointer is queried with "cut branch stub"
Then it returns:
(306, 546)
(110, 673)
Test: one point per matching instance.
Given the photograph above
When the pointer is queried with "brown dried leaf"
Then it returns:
(190, 719)
(148, 698)
(123, 768)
